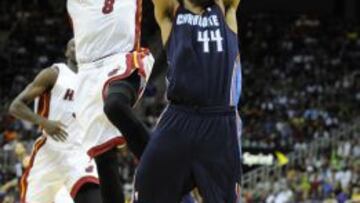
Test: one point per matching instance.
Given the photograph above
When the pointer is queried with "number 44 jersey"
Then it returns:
(104, 27)
(204, 59)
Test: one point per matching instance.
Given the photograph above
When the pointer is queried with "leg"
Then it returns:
(165, 166)
(118, 108)
(109, 176)
(217, 167)
(89, 193)
(42, 180)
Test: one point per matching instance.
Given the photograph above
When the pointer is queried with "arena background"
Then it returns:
(300, 104)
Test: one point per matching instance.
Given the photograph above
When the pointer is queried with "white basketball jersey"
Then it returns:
(58, 105)
(63, 196)
(104, 27)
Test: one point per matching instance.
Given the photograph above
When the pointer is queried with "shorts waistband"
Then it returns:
(121, 57)
(224, 110)
(112, 57)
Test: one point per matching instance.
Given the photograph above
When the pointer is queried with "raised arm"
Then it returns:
(43, 82)
(231, 7)
(164, 12)
(232, 3)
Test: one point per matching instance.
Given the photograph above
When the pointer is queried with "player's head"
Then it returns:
(70, 51)
(201, 3)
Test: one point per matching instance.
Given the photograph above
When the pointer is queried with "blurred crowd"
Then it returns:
(331, 175)
(301, 80)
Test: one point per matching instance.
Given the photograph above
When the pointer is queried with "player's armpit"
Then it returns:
(231, 4)
(231, 7)
(42, 83)
(164, 13)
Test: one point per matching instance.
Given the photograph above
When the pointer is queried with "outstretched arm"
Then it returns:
(164, 11)
(231, 7)
(43, 82)
(232, 3)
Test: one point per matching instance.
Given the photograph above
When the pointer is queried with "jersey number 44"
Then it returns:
(215, 38)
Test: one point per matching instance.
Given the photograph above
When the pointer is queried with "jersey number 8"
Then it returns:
(108, 6)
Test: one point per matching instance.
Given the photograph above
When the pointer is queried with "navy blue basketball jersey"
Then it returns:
(204, 60)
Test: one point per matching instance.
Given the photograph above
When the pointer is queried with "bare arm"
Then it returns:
(11, 184)
(43, 82)
(164, 11)
(231, 7)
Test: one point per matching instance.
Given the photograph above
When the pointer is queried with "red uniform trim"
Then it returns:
(138, 19)
(44, 104)
(100, 149)
(116, 78)
(23, 183)
(134, 60)
(81, 182)
(140, 64)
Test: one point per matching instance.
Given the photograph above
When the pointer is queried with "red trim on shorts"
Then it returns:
(81, 182)
(100, 149)
(23, 183)
(138, 19)
(140, 64)
(127, 73)
(134, 60)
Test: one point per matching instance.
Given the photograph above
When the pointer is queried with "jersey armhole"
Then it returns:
(175, 11)
(56, 68)
(223, 12)
(173, 23)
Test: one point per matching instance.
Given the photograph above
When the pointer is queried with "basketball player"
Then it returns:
(196, 140)
(113, 72)
(56, 160)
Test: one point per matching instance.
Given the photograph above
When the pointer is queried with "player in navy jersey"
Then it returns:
(195, 143)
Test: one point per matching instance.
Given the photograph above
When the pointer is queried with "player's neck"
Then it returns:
(72, 66)
(193, 8)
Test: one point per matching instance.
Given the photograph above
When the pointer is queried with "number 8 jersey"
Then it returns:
(104, 27)
(204, 59)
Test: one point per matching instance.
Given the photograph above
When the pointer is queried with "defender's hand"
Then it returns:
(55, 129)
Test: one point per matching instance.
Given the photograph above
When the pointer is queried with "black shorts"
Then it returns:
(191, 147)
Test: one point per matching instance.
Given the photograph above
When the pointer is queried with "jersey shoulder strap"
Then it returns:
(64, 70)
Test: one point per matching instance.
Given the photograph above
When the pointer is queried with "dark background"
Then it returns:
(348, 9)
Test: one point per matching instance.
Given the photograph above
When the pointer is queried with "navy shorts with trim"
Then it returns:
(191, 147)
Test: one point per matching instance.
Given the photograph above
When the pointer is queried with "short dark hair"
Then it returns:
(202, 3)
